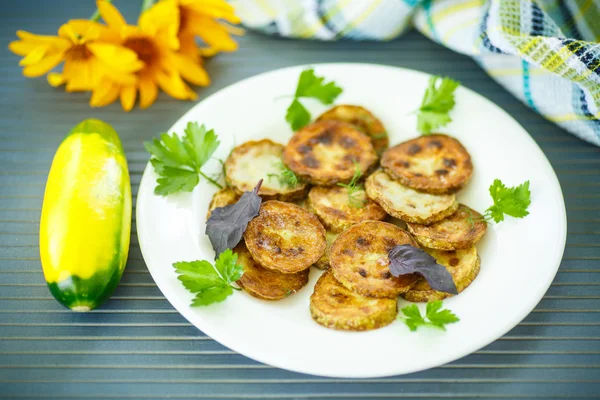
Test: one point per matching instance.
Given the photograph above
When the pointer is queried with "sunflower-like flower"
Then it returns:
(198, 18)
(156, 43)
(88, 50)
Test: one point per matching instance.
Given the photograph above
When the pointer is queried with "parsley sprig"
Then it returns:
(436, 105)
(512, 201)
(434, 316)
(178, 160)
(286, 176)
(211, 284)
(310, 86)
(355, 197)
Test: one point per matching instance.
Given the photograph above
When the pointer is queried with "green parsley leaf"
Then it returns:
(356, 195)
(178, 160)
(297, 115)
(434, 316)
(436, 105)
(211, 284)
(439, 318)
(286, 177)
(310, 86)
(512, 201)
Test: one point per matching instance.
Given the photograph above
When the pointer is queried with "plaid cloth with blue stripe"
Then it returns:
(545, 52)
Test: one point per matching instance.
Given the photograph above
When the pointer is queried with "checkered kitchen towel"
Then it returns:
(546, 52)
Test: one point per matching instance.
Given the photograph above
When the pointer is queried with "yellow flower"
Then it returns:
(88, 51)
(198, 18)
(155, 42)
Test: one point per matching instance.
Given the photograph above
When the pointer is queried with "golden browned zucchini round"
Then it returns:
(436, 164)
(337, 211)
(256, 160)
(334, 306)
(461, 230)
(285, 237)
(265, 283)
(222, 198)
(408, 204)
(359, 259)
(363, 119)
(325, 153)
(463, 265)
(323, 262)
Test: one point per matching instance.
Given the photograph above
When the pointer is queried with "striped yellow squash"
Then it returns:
(86, 217)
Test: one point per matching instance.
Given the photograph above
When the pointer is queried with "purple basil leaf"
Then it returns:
(226, 225)
(406, 259)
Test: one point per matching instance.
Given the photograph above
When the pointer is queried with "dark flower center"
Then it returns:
(144, 48)
(78, 52)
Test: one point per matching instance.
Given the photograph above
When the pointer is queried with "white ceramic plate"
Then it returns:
(519, 258)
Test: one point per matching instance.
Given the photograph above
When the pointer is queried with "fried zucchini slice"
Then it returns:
(264, 283)
(407, 204)
(325, 153)
(359, 259)
(285, 237)
(436, 164)
(334, 306)
(463, 265)
(363, 119)
(222, 198)
(323, 262)
(461, 230)
(256, 160)
(337, 211)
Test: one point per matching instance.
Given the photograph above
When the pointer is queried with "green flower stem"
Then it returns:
(96, 15)
(146, 4)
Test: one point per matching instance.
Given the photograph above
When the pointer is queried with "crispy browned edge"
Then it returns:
(221, 198)
(423, 183)
(375, 195)
(418, 296)
(427, 236)
(385, 315)
(293, 157)
(267, 194)
(253, 285)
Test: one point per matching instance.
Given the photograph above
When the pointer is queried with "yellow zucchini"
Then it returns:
(86, 217)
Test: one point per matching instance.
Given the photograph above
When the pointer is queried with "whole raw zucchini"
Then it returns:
(86, 217)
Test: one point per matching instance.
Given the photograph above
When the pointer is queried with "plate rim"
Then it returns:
(515, 320)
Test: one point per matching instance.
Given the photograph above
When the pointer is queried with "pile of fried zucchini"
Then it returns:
(320, 221)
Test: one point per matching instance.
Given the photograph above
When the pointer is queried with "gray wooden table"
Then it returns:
(138, 346)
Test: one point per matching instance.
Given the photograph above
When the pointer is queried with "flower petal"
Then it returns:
(110, 14)
(39, 39)
(45, 65)
(55, 79)
(104, 94)
(174, 86)
(34, 56)
(213, 34)
(213, 8)
(148, 92)
(79, 76)
(117, 57)
(162, 19)
(80, 30)
(128, 97)
(192, 71)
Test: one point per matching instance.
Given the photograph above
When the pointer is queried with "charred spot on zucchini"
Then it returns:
(325, 153)
(460, 230)
(437, 164)
(285, 237)
(359, 259)
(363, 119)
